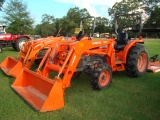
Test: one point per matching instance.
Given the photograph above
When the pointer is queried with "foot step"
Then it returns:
(118, 61)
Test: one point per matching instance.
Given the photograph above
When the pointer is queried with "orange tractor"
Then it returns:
(31, 52)
(97, 58)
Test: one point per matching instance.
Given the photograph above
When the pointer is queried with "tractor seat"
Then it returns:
(121, 41)
(79, 36)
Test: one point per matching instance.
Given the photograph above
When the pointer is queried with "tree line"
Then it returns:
(17, 18)
(150, 10)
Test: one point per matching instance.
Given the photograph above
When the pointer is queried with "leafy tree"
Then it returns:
(72, 20)
(75, 14)
(2, 1)
(67, 26)
(50, 25)
(151, 3)
(48, 19)
(126, 6)
(123, 7)
(47, 26)
(16, 16)
(102, 25)
(1, 4)
(153, 22)
(57, 26)
(37, 29)
(131, 6)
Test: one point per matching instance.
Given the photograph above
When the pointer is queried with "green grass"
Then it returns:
(126, 98)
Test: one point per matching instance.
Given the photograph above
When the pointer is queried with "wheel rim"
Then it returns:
(21, 44)
(104, 78)
(142, 62)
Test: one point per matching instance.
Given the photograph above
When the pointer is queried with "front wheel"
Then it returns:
(19, 43)
(137, 61)
(101, 77)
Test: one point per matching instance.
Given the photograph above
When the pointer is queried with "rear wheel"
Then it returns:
(137, 61)
(101, 77)
(19, 43)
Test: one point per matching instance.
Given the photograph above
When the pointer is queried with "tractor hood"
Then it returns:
(7, 36)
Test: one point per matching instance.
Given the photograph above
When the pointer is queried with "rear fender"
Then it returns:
(129, 46)
(16, 37)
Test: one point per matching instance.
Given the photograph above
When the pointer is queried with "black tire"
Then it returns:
(19, 43)
(137, 61)
(101, 77)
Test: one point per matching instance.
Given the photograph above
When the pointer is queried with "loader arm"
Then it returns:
(77, 49)
(27, 55)
(84, 47)
(32, 54)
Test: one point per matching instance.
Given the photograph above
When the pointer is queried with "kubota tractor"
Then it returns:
(97, 58)
(16, 41)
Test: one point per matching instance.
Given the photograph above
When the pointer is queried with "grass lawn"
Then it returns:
(126, 98)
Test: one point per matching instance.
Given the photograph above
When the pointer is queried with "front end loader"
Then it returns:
(27, 56)
(97, 58)
(45, 93)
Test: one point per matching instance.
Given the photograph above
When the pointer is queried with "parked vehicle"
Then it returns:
(16, 41)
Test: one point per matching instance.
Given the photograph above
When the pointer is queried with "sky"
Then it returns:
(59, 8)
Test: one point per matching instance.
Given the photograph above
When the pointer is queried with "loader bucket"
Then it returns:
(42, 93)
(11, 66)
